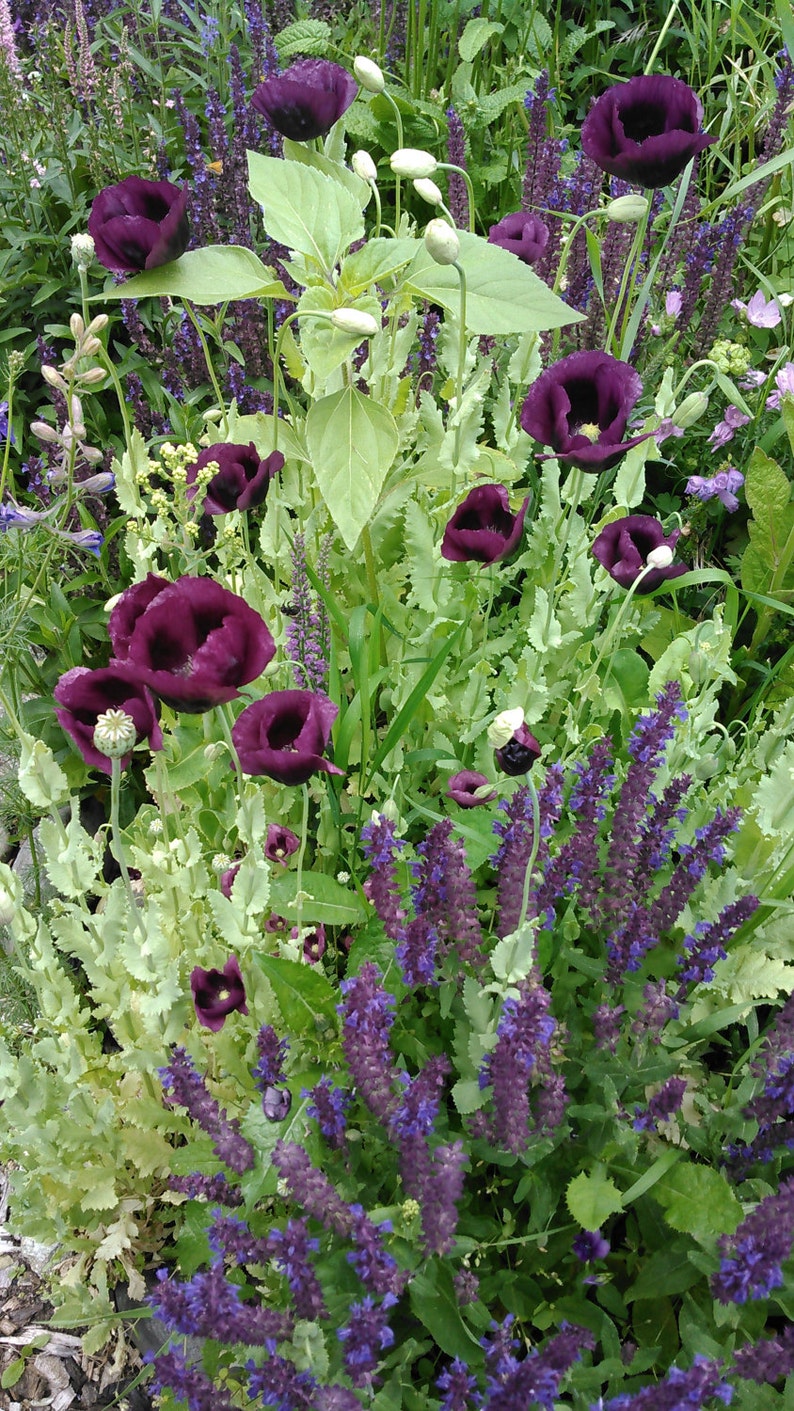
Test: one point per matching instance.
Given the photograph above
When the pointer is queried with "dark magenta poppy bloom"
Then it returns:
(139, 224)
(623, 547)
(83, 695)
(645, 131)
(519, 754)
(217, 993)
(483, 528)
(313, 944)
(307, 99)
(192, 642)
(242, 478)
(462, 789)
(580, 407)
(523, 234)
(280, 843)
(227, 879)
(284, 735)
(276, 1103)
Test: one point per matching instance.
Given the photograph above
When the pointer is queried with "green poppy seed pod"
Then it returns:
(428, 191)
(355, 322)
(442, 242)
(413, 162)
(114, 733)
(363, 166)
(690, 410)
(503, 728)
(369, 75)
(707, 767)
(627, 210)
(82, 250)
(697, 666)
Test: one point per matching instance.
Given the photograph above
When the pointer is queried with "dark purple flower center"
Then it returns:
(643, 120)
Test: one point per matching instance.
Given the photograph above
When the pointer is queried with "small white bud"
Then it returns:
(354, 321)
(428, 191)
(8, 900)
(77, 326)
(115, 733)
(442, 242)
(92, 376)
(661, 557)
(89, 346)
(45, 432)
(412, 162)
(92, 455)
(98, 323)
(627, 210)
(690, 410)
(503, 728)
(363, 166)
(82, 250)
(369, 75)
(52, 377)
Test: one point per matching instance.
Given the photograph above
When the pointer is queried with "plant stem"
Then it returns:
(118, 845)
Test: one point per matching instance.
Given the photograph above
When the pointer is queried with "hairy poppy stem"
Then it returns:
(118, 845)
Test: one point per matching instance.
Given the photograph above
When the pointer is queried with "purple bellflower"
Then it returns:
(139, 224)
(726, 429)
(645, 131)
(307, 99)
(720, 486)
(760, 312)
(580, 407)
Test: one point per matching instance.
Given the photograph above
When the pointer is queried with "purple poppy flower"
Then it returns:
(645, 131)
(284, 734)
(139, 224)
(580, 407)
(280, 844)
(523, 234)
(276, 1103)
(623, 547)
(227, 880)
(242, 478)
(722, 486)
(307, 99)
(483, 528)
(519, 754)
(83, 695)
(217, 993)
(313, 944)
(192, 642)
(462, 789)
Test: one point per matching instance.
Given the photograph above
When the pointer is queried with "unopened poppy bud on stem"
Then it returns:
(115, 733)
(442, 242)
(354, 321)
(363, 166)
(413, 162)
(369, 74)
(428, 191)
(627, 210)
(690, 410)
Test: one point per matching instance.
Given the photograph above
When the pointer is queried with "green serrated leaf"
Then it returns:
(352, 442)
(698, 1201)
(503, 295)
(302, 993)
(211, 275)
(299, 152)
(41, 779)
(311, 37)
(324, 899)
(592, 1198)
(376, 260)
(304, 209)
(475, 37)
(468, 1096)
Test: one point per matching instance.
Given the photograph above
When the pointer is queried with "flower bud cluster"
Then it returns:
(73, 382)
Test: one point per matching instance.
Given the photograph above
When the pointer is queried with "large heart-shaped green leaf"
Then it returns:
(352, 442)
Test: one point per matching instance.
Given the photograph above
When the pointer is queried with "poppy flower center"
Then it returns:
(644, 120)
(590, 430)
(224, 994)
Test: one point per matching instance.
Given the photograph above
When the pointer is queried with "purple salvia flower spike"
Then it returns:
(753, 1256)
(183, 1086)
(380, 847)
(367, 1017)
(307, 630)
(457, 193)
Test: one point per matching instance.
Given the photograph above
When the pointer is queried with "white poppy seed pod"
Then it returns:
(413, 162)
(627, 210)
(690, 410)
(428, 191)
(503, 728)
(363, 166)
(355, 322)
(660, 557)
(114, 733)
(369, 75)
(442, 242)
(82, 250)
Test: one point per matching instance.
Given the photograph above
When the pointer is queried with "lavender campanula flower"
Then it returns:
(784, 387)
(580, 407)
(328, 1107)
(365, 1337)
(139, 224)
(726, 429)
(307, 630)
(218, 993)
(693, 1389)
(759, 311)
(645, 131)
(367, 1017)
(307, 99)
(753, 1256)
(662, 1106)
(457, 192)
(483, 528)
(720, 486)
(381, 847)
(183, 1086)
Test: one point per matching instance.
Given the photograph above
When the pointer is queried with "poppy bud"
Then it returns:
(442, 242)
(369, 74)
(413, 162)
(355, 322)
(660, 557)
(363, 166)
(428, 191)
(690, 410)
(627, 210)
